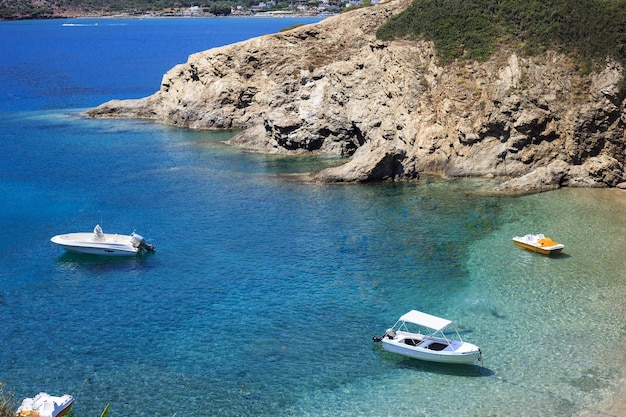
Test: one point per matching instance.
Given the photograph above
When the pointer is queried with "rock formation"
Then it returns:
(333, 88)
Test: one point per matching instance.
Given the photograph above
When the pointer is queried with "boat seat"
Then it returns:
(47, 408)
(546, 241)
(412, 342)
(437, 346)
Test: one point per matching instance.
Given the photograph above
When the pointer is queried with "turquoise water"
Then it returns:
(264, 293)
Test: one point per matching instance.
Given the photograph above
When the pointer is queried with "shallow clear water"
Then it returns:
(264, 293)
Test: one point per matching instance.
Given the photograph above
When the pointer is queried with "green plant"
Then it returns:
(288, 28)
(7, 402)
(621, 84)
(105, 413)
(219, 9)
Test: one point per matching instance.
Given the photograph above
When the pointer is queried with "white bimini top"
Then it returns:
(426, 320)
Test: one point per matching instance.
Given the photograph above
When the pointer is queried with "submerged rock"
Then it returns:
(332, 88)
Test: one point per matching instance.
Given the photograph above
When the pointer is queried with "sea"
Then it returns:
(264, 293)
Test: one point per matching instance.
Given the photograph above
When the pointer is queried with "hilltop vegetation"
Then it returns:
(472, 29)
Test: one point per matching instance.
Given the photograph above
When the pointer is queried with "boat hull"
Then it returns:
(111, 245)
(416, 352)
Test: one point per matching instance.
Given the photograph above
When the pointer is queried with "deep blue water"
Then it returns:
(264, 293)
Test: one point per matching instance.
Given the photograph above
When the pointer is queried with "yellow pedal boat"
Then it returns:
(538, 243)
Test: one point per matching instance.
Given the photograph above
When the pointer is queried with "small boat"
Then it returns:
(538, 243)
(99, 243)
(406, 338)
(45, 405)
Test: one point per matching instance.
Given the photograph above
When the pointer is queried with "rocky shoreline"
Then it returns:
(332, 88)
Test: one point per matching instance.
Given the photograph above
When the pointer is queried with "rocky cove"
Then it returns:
(333, 88)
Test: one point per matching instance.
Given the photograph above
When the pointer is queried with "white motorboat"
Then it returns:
(45, 405)
(538, 243)
(99, 243)
(406, 338)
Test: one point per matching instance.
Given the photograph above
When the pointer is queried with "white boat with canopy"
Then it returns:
(421, 336)
(99, 243)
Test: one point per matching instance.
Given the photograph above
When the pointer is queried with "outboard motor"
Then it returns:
(390, 334)
(139, 242)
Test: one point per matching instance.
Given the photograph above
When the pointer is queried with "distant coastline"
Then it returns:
(231, 16)
(190, 12)
(272, 14)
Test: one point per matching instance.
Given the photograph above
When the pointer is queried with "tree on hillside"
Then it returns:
(219, 9)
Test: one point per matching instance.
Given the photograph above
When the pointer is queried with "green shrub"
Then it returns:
(297, 25)
(219, 9)
(8, 406)
(621, 84)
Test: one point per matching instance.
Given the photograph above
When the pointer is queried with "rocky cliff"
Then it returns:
(333, 88)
